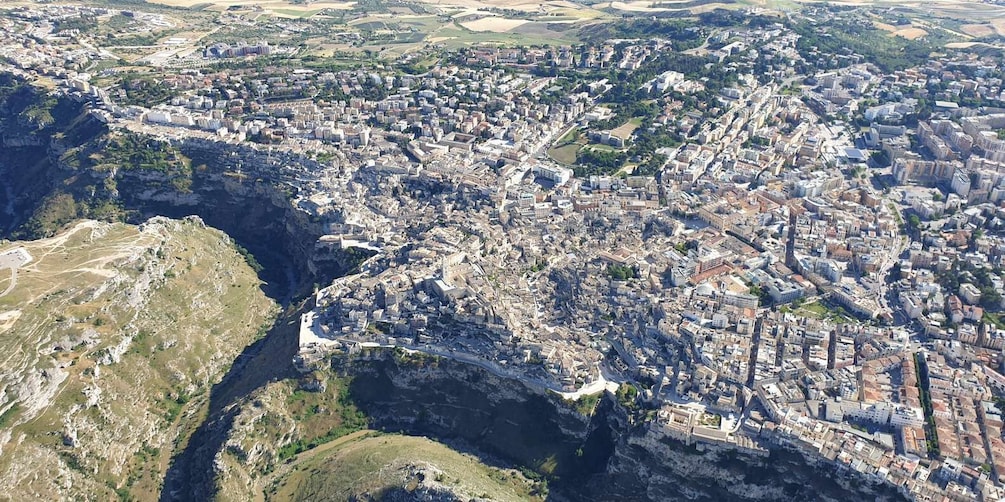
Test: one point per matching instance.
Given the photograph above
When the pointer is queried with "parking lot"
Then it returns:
(14, 258)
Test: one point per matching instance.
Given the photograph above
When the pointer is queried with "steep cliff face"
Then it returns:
(33, 128)
(597, 457)
(255, 214)
(644, 468)
(450, 400)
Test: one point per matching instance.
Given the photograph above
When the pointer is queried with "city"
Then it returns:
(772, 245)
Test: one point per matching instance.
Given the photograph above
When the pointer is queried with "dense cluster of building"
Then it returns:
(786, 278)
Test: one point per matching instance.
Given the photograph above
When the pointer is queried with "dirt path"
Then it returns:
(288, 467)
(13, 282)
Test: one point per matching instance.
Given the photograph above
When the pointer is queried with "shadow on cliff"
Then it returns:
(277, 245)
(190, 475)
(500, 421)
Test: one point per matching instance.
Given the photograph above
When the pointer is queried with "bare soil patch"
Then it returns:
(978, 30)
(493, 24)
(911, 33)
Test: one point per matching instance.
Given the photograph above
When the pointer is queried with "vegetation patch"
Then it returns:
(322, 417)
(821, 310)
(585, 405)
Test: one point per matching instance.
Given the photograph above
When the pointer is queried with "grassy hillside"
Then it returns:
(112, 337)
(387, 465)
(306, 439)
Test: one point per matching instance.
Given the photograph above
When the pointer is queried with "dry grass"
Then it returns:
(523, 5)
(999, 26)
(670, 6)
(625, 130)
(175, 302)
(885, 27)
(635, 6)
(978, 30)
(911, 33)
(565, 154)
(373, 464)
(472, 6)
(493, 24)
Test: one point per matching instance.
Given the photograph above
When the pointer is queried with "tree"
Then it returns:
(990, 298)
(621, 272)
(763, 298)
(913, 223)
(880, 158)
(895, 273)
(974, 237)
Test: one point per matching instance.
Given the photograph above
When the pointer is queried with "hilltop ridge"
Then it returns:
(114, 334)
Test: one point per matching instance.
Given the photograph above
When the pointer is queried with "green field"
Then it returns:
(820, 311)
(994, 319)
(564, 150)
(565, 154)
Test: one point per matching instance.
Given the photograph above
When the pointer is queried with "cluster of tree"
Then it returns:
(853, 35)
(626, 85)
(630, 100)
(249, 258)
(145, 90)
(651, 166)
(621, 272)
(981, 277)
(141, 39)
(896, 273)
(880, 158)
(331, 92)
(723, 18)
(131, 151)
(343, 415)
(592, 161)
(756, 141)
(26, 108)
(931, 431)
(539, 265)
(627, 395)
(80, 23)
(763, 297)
(38, 115)
(683, 35)
(372, 92)
(60, 208)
